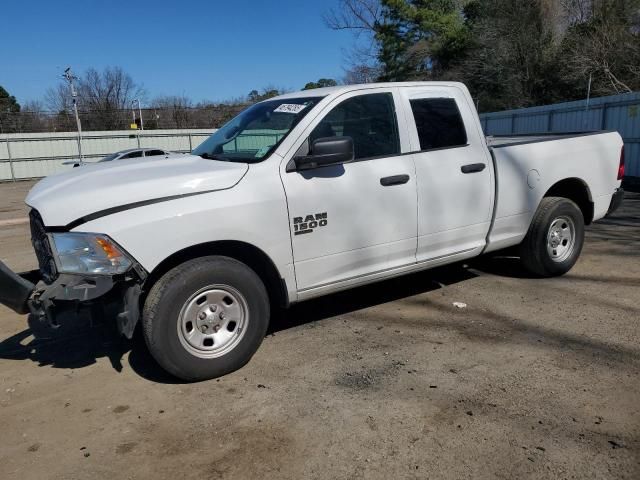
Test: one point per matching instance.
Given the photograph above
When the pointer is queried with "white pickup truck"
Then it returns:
(300, 196)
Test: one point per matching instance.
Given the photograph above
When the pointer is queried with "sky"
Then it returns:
(207, 50)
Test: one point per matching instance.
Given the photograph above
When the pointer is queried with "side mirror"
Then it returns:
(327, 151)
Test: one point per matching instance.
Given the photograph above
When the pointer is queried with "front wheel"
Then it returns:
(555, 238)
(206, 317)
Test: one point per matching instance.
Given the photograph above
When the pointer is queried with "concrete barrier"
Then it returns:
(36, 155)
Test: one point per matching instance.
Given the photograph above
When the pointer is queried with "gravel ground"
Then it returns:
(533, 379)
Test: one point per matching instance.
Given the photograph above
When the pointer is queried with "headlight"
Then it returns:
(88, 253)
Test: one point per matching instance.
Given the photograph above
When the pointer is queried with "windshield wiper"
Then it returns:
(208, 156)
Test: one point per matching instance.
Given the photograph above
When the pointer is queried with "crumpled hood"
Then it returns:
(69, 196)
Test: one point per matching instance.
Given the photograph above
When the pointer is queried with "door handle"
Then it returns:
(473, 168)
(394, 180)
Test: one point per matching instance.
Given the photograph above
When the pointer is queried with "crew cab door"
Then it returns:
(359, 218)
(454, 172)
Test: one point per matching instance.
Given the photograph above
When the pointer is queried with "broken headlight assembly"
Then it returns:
(88, 253)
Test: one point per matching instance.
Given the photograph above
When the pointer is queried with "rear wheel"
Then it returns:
(206, 317)
(555, 238)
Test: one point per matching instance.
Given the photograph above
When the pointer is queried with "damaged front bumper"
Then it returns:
(73, 292)
(15, 290)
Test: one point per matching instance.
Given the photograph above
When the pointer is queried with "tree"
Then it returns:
(604, 45)
(8, 103)
(177, 109)
(58, 98)
(104, 98)
(361, 73)
(421, 38)
(33, 118)
(267, 92)
(362, 18)
(510, 53)
(415, 39)
(321, 83)
(107, 95)
(510, 61)
(9, 112)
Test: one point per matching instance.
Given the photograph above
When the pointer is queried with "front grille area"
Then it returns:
(40, 243)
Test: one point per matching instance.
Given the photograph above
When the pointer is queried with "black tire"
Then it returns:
(175, 289)
(534, 252)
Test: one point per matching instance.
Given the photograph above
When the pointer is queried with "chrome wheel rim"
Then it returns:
(213, 321)
(561, 239)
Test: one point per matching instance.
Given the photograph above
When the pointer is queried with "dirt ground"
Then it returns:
(534, 379)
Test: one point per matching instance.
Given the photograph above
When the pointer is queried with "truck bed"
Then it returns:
(527, 166)
(497, 141)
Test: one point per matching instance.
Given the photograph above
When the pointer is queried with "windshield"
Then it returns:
(257, 131)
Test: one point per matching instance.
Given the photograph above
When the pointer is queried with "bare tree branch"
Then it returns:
(362, 15)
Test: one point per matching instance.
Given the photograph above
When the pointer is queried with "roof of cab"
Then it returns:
(325, 91)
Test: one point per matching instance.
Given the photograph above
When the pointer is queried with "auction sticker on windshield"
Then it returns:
(290, 108)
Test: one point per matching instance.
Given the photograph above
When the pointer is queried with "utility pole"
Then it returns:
(586, 119)
(69, 77)
(13, 175)
(139, 112)
(589, 90)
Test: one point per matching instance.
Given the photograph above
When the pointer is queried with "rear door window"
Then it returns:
(439, 123)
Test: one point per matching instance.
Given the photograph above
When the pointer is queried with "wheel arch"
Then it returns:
(244, 252)
(578, 191)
